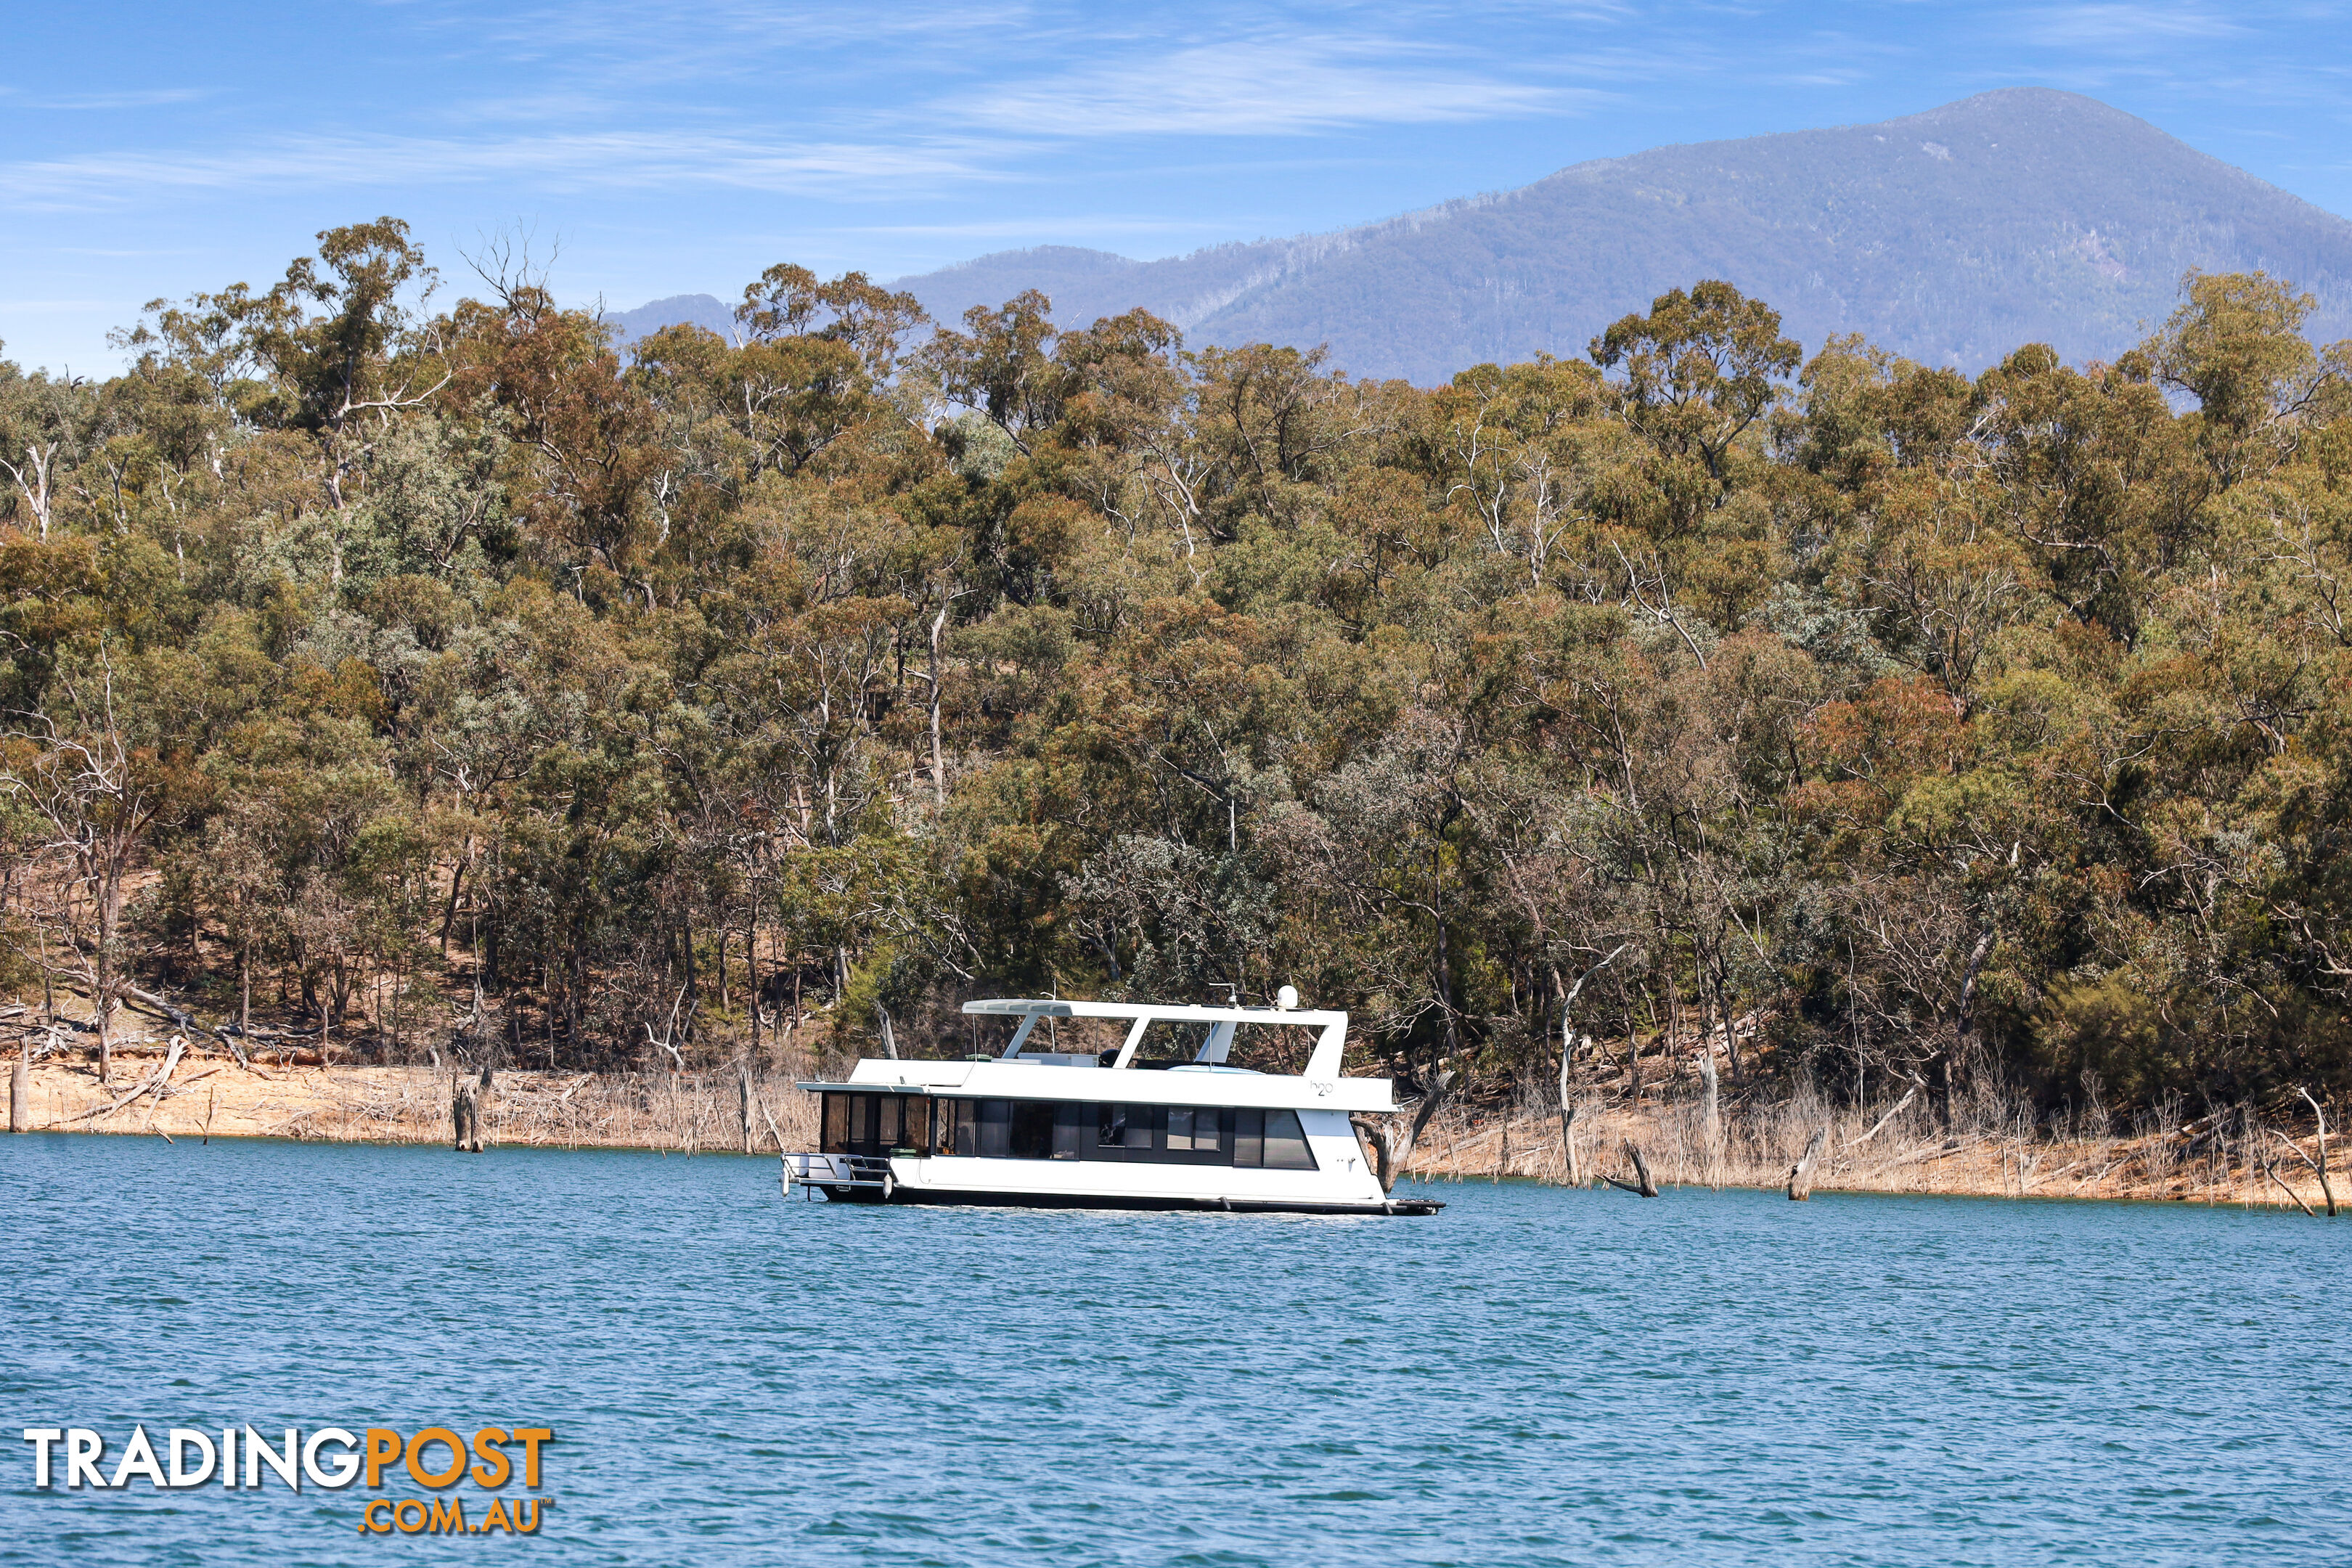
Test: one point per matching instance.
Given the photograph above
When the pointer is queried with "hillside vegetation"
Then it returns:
(427, 675)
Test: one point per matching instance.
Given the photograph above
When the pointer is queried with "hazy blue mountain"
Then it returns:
(700, 309)
(1952, 237)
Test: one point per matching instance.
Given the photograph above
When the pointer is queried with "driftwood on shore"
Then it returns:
(154, 1083)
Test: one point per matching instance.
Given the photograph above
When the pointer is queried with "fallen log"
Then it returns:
(1880, 1125)
(1957, 1146)
(1642, 1186)
(153, 1081)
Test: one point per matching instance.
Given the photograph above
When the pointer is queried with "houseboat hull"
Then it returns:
(976, 1198)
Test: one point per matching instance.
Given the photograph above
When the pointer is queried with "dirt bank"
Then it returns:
(211, 1094)
(214, 1095)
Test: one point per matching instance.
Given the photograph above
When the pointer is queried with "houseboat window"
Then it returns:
(1286, 1143)
(1201, 1128)
(1079, 1130)
(1125, 1127)
(1033, 1128)
(875, 1123)
(1272, 1140)
(995, 1140)
(1072, 1120)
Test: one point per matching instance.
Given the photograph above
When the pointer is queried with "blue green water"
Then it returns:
(1533, 1377)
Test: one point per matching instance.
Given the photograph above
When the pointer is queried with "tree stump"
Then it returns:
(20, 1093)
(469, 1112)
(1572, 1157)
(1801, 1174)
(743, 1099)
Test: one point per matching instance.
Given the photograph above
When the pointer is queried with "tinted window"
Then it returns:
(1286, 1143)
(1180, 1127)
(836, 1125)
(1072, 1122)
(1110, 1126)
(1033, 1128)
(1249, 1137)
(995, 1128)
(1211, 1133)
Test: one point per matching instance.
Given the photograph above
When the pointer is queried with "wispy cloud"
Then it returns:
(635, 44)
(2125, 27)
(1074, 225)
(1251, 88)
(615, 160)
(77, 102)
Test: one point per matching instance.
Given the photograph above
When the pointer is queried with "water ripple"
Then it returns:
(1532, 1377)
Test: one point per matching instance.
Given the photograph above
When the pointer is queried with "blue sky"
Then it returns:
(668, 148)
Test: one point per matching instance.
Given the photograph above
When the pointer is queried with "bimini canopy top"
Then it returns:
(1330, 1040)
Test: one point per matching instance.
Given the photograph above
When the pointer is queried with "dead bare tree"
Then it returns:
(2318, 1167)
(1575, 1165)
(1642, 1184)
(470, 1108)
(91, 791)
(462, 1112)
(1710, 1117)
(1391, 1149)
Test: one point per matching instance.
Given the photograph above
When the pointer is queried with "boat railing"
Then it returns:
(838, 1171)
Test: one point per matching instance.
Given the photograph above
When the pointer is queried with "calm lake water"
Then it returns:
(1533, 1377)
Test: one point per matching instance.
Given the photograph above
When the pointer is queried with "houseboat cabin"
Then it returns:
(1120, 1129)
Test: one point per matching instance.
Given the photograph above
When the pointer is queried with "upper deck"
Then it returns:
(1205, 1080)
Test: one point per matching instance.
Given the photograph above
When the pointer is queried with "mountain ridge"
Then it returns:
(1951, 235)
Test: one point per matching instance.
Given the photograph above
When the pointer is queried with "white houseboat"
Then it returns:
(1082, 1130)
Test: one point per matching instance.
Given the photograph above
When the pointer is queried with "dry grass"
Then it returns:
(1984, 1153)
(211, 1096)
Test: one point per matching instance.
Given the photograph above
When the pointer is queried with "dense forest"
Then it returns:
(432, 678)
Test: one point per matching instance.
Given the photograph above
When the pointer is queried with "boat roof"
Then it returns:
(1205, 1080)
(1330, 1038)
(1155, 1012)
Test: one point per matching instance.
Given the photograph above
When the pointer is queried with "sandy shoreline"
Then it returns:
(212, 1095)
